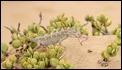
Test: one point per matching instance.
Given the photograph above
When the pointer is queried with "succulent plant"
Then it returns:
(41, 64)
(105, 55)
(78, 25)
(54, 62)
(89, 18)
(118, 41)
(2, 57)
(4, 47)
(8, 64)
(29, 66)
(33, 44)
(63, 22)
(58, 67)
(102, 18)
(114, 32)
(36, 28)
(12, 58)
(111, 51)
(53, 24)
(65, 65)
(46, 60)
(95, 32)
(27, 53)
(118, 33)
(50, 28)
(114, 45)
(41, 32)
(55, 51)
(42, 55)
(103, 28)
(14, 36)
(16, 43)
(36, 66)
(24, 64)
(30, 33)
(25, 32)
(3, 64)
(36, 55)
(84, 31)
(108, 23)
(29, 59)
(31, 27)
(22, 60)
(99, 26)
(22, 39)
(33, 61)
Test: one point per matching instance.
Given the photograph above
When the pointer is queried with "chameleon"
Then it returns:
(56, 37)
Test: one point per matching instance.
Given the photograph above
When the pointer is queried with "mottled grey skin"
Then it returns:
(56, 37)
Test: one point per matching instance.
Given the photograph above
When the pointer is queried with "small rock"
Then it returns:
(89, 50)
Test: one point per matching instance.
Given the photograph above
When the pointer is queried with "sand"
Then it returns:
(79, 56)
(27, 12)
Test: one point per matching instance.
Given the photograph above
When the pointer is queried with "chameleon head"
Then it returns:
(75, 32)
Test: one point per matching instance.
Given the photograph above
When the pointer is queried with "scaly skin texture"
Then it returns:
(56, 37)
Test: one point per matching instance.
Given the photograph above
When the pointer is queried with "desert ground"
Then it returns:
(27, 12)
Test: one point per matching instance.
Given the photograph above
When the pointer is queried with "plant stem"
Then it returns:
(105, 59)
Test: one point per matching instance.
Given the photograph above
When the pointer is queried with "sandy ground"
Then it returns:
(27, 12)
(79, 56)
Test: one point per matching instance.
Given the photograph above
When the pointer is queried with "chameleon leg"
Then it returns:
(83, 40)
(80, 42)
(60, 43)
(62, 40)
(38, 46)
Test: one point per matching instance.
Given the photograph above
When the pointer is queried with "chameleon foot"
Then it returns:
(60, 44)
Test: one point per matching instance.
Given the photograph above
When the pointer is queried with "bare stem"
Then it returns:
(41, 21)
(40, 18)
(9, 29)
(18, 29)
(44, 28)
(105, 59)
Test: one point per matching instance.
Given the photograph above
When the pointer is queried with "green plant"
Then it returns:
(61, 21)
(99, 25)
(113, 48)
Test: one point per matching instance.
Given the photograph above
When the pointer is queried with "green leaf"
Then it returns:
(4, 47)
